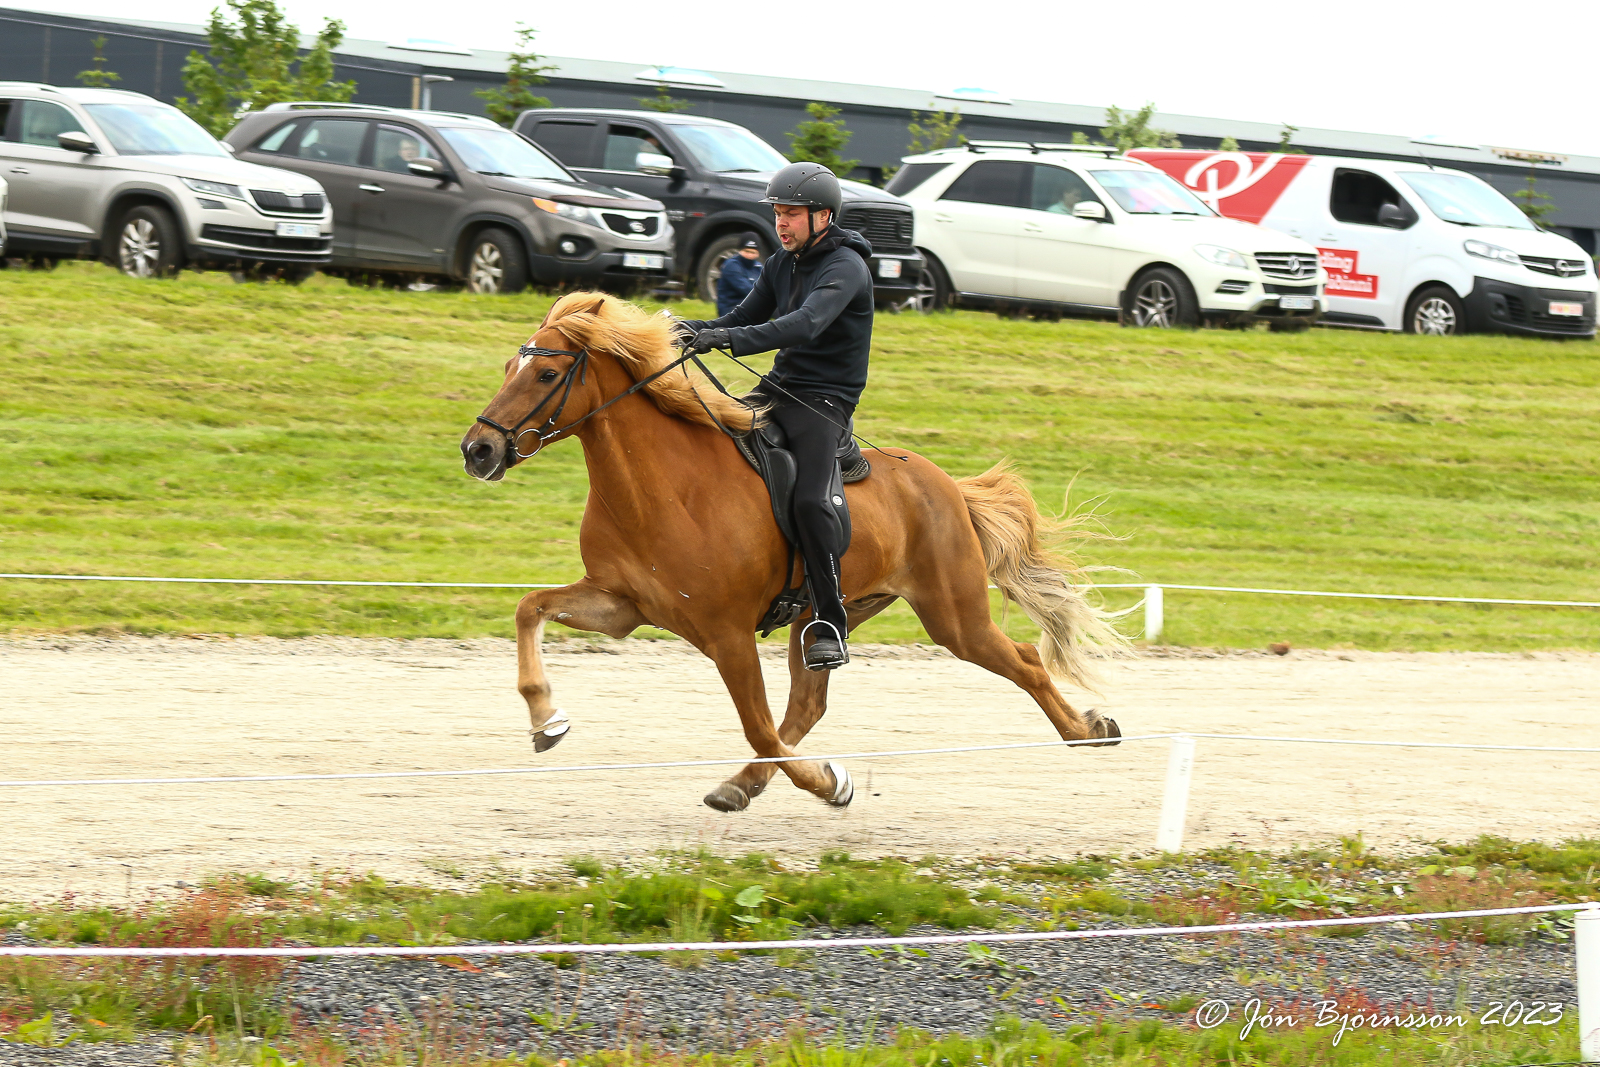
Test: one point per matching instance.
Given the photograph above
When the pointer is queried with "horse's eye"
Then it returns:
(548, 376)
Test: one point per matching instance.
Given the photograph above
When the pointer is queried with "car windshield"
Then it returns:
(729, 149)
(153, 130)
(1144, 192)
(502, 154)
(1466, 201)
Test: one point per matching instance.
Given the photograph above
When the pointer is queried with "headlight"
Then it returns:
(1222, 257)
(200, 185)
(567, 211)
(1485, 250)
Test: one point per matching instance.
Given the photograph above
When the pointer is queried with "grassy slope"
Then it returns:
(201, 428)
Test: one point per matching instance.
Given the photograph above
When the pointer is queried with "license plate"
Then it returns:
(299, 229)
(1297, 303)
(1566, 309)
(889, 268)
(643, 260)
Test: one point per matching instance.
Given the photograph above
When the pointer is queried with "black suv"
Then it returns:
(711, 175)
(425, 195)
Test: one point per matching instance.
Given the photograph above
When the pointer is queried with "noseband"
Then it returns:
(577, 373)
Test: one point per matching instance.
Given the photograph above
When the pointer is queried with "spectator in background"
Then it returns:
(739, 274)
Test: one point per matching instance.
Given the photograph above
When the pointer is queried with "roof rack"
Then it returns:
(1042, 146)
(325, 105)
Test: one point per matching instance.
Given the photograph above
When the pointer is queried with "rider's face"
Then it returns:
(792, 228)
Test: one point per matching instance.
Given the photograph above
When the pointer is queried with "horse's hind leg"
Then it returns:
(581, 606)
(960, 621)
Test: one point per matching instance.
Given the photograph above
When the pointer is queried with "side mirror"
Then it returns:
(654, 163)
(77, 141)
(1391, 215)
(427, 168)
(1089, 209)
(677, 174)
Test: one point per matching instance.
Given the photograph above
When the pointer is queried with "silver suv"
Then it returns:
(122, 177)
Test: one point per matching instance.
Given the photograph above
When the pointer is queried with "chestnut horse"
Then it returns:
(678, 533)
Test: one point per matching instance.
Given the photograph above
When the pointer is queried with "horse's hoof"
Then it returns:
(844, 790)
(1106, 727)
(727, 797)
(550, 734)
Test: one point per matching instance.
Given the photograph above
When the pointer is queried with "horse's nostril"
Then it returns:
(479, 451)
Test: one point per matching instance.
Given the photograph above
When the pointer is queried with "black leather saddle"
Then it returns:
(765, 449)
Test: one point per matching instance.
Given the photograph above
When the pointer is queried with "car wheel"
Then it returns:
(1162, 298)
(1435, 311)
(148, 245)
(495, 263)
(709, 270)
(940, 295)
(1288, 325)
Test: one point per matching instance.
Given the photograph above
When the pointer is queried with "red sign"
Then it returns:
(1238, 185)
(1342, 265)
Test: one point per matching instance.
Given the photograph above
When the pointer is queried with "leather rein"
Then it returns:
(576, 374)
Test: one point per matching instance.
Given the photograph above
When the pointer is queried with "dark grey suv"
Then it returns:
(712, 175)
(430, 195)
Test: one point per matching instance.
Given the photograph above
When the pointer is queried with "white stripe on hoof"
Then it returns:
(844, 790)
(550, 734)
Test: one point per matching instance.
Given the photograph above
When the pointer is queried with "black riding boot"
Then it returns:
(815, 429)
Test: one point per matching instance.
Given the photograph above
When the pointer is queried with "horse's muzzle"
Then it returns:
(484, 455)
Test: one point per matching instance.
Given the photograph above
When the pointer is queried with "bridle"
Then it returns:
(576, 374)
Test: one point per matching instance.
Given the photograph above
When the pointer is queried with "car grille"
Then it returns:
(1517, 311)
(1561, 268)
(264, 239)
(632, 227)
(884, 228)
(272, 200)
(1296, 266)
(1289, 290)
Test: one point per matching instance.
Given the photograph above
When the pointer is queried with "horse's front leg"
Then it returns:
(808, 699)
(582, 606)
(740, 666)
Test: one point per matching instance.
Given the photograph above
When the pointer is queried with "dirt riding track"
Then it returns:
(126, 707)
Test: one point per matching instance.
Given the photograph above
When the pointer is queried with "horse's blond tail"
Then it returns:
(1012, 533)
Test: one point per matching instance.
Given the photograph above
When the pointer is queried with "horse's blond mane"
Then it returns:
(642, 343)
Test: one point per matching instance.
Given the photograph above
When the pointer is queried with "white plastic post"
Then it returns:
(1155, 614)
(1175, 801)
(1586, 938)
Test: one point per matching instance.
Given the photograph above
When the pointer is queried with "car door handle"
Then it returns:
(1031, 228)
(372, 189)
(19, 170)
(942, 218)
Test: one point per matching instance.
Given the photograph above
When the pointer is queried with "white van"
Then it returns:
(1406, 246)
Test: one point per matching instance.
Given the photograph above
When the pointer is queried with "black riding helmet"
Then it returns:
(807, 185)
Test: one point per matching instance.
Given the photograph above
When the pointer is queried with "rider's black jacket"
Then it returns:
(820, 309)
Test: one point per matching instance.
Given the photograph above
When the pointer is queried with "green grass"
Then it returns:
(196, 427)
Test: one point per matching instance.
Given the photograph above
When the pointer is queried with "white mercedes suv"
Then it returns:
(1071, 230)
(122, 177)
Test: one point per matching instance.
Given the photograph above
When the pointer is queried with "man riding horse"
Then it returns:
(813, 303)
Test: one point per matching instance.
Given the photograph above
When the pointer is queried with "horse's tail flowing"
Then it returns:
(1012, 533)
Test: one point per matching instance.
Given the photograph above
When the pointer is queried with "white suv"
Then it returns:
(1069, 230)
(122, 177)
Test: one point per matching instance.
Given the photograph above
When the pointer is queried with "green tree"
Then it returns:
(1535, 204)
(1285, 137)
(936, 131)
(820, 139)
(98, 76)
(1227, 144)
(1132, 129)
(252, 64)
(664, 101)
(525, 69)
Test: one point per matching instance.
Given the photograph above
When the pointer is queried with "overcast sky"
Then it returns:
(1506, 75)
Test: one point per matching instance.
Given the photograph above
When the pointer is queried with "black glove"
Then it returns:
(682, 332)
(706, 340)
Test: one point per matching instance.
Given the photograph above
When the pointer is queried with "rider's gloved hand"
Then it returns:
(706, 340)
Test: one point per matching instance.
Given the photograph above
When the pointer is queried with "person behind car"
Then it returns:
(813, 303)
(739, 274)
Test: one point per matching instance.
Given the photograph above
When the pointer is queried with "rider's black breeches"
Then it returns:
(814, 438)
